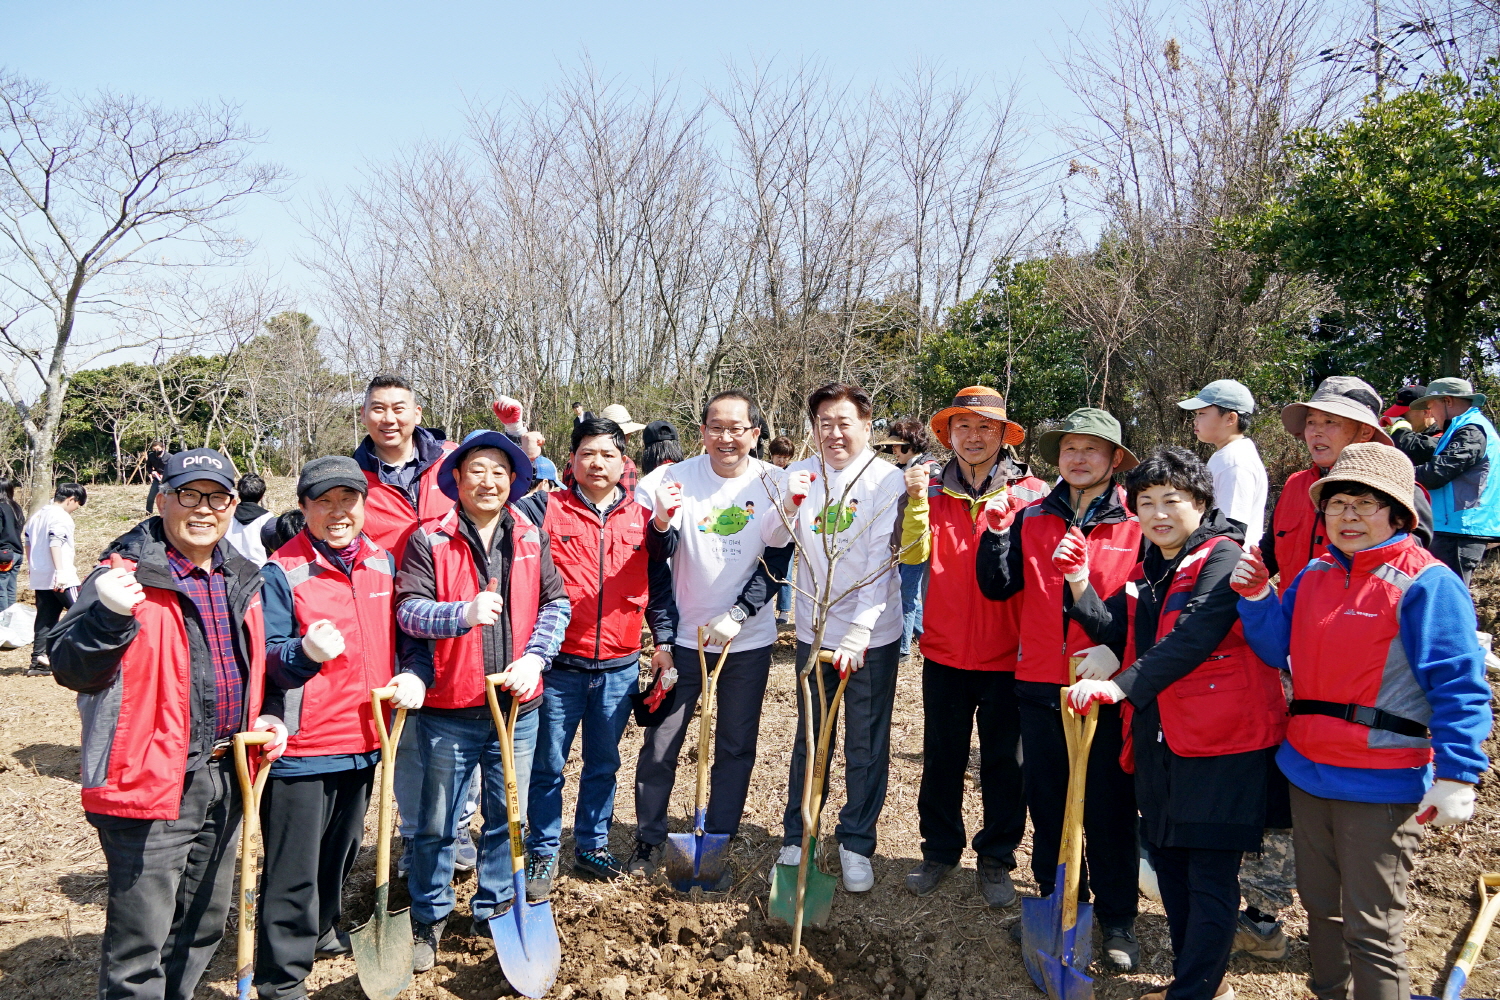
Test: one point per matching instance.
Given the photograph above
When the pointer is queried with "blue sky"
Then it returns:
(335, 85)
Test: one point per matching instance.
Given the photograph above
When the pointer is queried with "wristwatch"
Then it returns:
(737, 614)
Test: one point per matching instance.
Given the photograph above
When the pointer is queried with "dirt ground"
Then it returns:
(638, 939)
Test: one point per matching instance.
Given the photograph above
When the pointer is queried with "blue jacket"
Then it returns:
(1470, 503)
(1437, 632)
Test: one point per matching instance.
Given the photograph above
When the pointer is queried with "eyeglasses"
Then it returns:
(1364, 507)
(193, 498)
(728, 432)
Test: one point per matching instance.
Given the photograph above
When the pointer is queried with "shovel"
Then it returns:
(525, 935)
(244, 958)
(697, 858)
(1056, 932)
(1468, 955)
(382, 944)
(802, 894)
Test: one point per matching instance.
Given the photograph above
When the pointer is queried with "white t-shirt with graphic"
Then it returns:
(721, 530)
(865, 520)
(48, 527)
(1240, 486)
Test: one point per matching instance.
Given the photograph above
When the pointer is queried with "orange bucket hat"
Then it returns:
(982, 401)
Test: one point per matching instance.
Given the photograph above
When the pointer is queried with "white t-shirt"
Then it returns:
(722, 527)
(48, 527)
(866, 519)
(1240, 486)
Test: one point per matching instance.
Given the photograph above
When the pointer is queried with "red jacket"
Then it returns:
(1233, 702)
(330, 712)
(1346, 648)
(1298, 527)
(603, 565)
(389, 518)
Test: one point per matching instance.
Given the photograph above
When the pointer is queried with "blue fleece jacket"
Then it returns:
(1437, 632)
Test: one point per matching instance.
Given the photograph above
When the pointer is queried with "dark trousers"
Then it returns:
(50, 606)
(742, 689)
(312, 828)
(170, 886)
(1200, 890)
(1111, 862)
(1462, 553)
(151, 495)
(952, 701)
(868, 700)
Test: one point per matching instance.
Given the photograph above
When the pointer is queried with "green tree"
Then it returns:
(1398, 210)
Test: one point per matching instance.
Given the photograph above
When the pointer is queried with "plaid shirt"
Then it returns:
(207, 592)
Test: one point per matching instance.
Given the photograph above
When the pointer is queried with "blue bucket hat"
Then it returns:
(520, 465)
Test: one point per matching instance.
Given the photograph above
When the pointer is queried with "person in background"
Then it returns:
(1389, 710)
(1414, 431)
(907, 444)
(661, 446)
(781, 449)
(1221, 417)
(48, 539)
(12, 549)
(251, 521)
(543, 472)
(166, 650)
(1463, 475)
(969, 654)
(156, 467)
(580, 414)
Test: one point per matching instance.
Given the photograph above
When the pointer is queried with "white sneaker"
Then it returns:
(791, 854)
(858, 875)
(1147, 881)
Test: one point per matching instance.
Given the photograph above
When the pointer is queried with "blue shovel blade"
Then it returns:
(526, 943)
(696, 858)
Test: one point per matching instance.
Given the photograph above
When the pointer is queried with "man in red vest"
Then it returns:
(968, 645)
(1082, 524)
(166, 648)
(479, 584)
(331, 638)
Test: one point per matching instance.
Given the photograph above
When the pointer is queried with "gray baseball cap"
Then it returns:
(1225, 392)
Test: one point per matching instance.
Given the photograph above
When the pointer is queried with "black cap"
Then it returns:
(659, 430)
(1409, 393)
(323, 474)
(200, 463)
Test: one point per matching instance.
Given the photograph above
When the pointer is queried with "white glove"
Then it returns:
(486, 606)
(666, 500)
(1446, 803)
(721, 629)
(850, 655)
(665, 668)
(271, 724)
(117, 588)
(1081, 696)
(323, 641)
(410, 692)
(522, 676)
(799, 485)
(1099, 664)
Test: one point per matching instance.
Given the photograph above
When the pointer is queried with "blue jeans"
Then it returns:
(783, 600)
(8, 585)
(408, 784)
(600, 700)
(451, 748)
(913, 592)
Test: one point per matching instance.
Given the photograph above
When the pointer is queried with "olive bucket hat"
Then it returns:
(1460, 387)
(1086, 420)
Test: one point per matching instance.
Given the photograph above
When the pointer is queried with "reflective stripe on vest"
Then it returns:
(1470, 504)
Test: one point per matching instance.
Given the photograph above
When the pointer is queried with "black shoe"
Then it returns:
(644, 859)
(540, 870)
(1122, 952)
(333, 944)
(424, 944)
(995, 884)
(597, 864)
(924, 878)
(38, 670)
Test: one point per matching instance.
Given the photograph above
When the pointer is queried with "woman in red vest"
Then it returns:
(1204, 714)
(1389, 710)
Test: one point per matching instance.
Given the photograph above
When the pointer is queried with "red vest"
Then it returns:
(603, 565)
(1232, 702)
(389, 519)
(330, 714)
(458, 664)
(960, 628)
(1346, 648)
(1113, 551)
(1300, 535)
(148, 754)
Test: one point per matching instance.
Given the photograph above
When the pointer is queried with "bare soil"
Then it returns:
(639, 939)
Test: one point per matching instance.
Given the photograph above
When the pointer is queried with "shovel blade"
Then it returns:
(382, 950)
(1039, 919)
(817, 899)
(695, 859)
(526, 943)
(1054, 956)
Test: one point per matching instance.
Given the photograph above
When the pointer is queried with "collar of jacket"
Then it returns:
(1005, 472)
(1112, 511)
(146, 546)
(575, 494)
(428, 449)
(1371, 559)
(499, 541)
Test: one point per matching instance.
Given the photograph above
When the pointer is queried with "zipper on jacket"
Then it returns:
(599, 620)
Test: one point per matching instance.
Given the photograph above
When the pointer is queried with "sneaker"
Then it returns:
(791, 854)
(1224, 992)
(424, 944)
(924, 878)
(404, 864)
(597, 864)
(858, 875)
(38, 669)
(644, 859)
(465, 854)
(994, 884)
(1122, 952)
(540, 870)
(333, 944)
(1259, 940)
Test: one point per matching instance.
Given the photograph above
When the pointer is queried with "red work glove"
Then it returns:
(1072, 556)
(507, 410)
(1000, 512)
(1250, 579)
(1083, 695)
